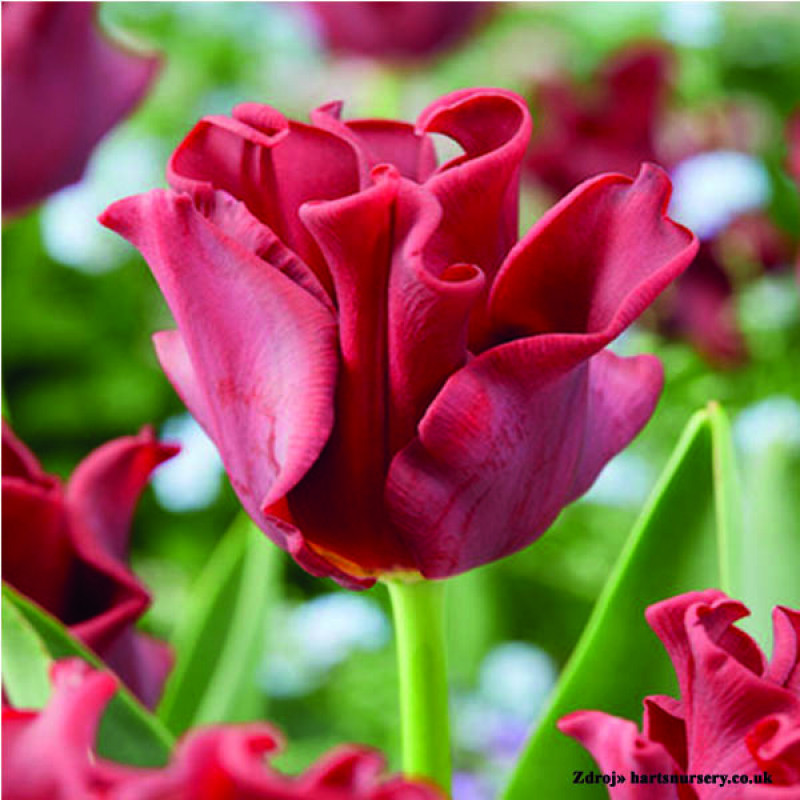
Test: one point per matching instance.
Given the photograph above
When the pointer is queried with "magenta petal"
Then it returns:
(664, 723)
(774, 743)
(478, 191)
(726, 697)
(394, 30)
(58, 66)
(34, 521)
(506, 444)
(380, 141)
(348, 767)
(258, 357)
(105, 487)
(270, 164)
(47, 755)
(594, 262)
(784, 667)
(616, 744)
(19, 462)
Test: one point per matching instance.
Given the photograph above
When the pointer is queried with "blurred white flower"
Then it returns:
(515, 678)
(307, 640)
(123, 163)
(770, 421)
(624, 482)
(691, 24)
(191, 480)
(711, 189)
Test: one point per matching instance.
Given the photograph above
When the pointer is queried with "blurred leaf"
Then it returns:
(673, 548)
(129, 734)
(765, 574)
(221, 639)
(26, 662)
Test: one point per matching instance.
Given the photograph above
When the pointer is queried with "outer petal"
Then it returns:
(510, 440)
(258, 358)
(46, 755)
(593, 263)
(479, 190)
(270, 164)
(617, 745)
(57, 66)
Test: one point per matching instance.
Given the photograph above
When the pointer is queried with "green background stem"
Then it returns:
(418, 609)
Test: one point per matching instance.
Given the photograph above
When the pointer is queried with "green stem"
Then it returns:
(419, 627)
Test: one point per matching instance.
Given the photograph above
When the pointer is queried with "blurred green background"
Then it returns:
(79, 306)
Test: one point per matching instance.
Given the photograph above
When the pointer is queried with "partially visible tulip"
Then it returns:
(702, 308)
(738, 714)
(65, 548)
(51, 754)
(394, 382)
(610, 126)
(395, 30)
(64, 87)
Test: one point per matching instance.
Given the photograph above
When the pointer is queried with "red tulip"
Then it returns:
(737, 714)
(395, 383)
(50, 754)
(389, 30)
(65, 548)
(613, 128)
(64, 87)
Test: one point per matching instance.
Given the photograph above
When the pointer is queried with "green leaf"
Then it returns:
(129, 734)
(674, 547)
(222, 637)
(26, 662)
(764, 560)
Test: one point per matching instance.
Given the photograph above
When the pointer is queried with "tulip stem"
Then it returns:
(418, 609)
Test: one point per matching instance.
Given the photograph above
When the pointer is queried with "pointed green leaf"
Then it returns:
(26, 662)
(674, 547)
(129, 734)
(222, 637)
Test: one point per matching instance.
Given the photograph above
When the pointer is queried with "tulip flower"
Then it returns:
(738, 714)
(50, 754)
(612, 126)
(64, 87)
(394, 31)
(395, 383)
(65, 548)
